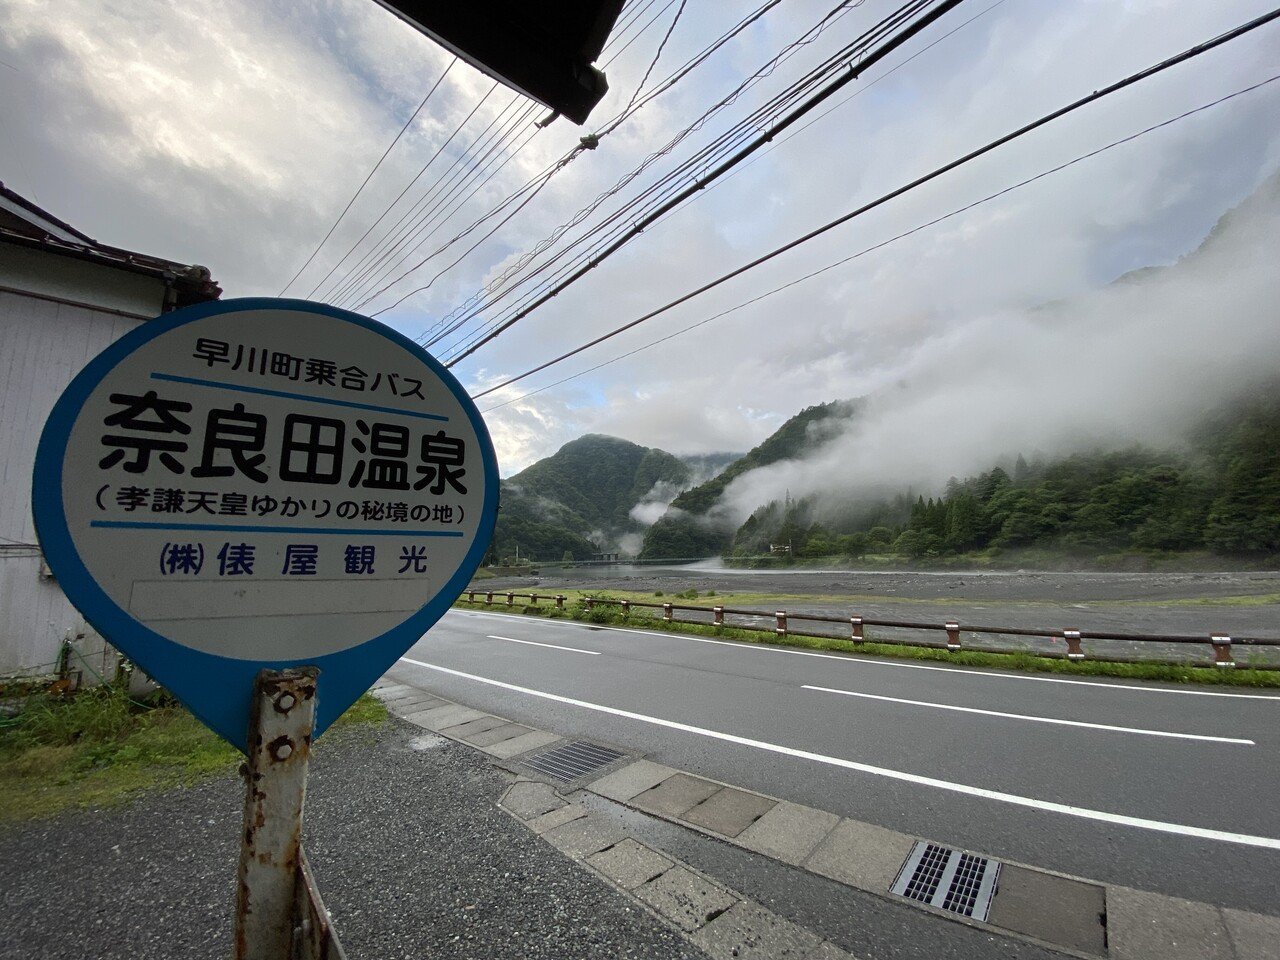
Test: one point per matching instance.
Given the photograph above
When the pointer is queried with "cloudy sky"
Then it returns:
(232, 133)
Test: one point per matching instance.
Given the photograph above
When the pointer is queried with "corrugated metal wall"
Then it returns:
(43, 345)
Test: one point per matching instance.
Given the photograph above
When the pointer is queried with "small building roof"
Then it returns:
(23, 223)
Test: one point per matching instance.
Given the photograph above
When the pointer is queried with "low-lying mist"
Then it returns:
(1139, 361)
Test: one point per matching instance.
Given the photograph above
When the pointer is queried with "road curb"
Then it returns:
(718, 919)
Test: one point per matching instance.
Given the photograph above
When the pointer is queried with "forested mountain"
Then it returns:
(579, 500)
(687, 531)
(1220, 493)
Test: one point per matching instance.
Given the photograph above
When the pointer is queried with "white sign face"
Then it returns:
(267, 482)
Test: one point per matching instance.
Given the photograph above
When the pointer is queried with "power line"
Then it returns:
(1188, 54)
(421, 213)
(439, 150)
(748, 127)
(587, 143)
(629, 16)
(658, 55)
(853, 72)
(501, 287)
(364, 183)
(884, 243)
(667, 84)
(506, 146)
(652, 20)
(564, 270)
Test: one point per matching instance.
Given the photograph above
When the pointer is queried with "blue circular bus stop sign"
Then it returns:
(262, 484)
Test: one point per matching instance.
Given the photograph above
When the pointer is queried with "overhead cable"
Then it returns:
(504, 285)
(853, 72)
(827, 112)
(763, 116)
(382, 216)
(364, 183)
(657, 55)
(1192, 52)
(884, 243)
(425, 213)
(535, 185)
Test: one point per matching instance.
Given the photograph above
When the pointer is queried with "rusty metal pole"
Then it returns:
(666, 612)
(314, 937)
(282, 717)
(1074, 650)
(718, 616)
(511, 599)
(560, 601)
(855, 628)
(781, 628)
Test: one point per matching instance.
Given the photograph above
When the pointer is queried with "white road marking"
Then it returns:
(1023, 716)
(553, 646)
(955, 671)
(1201, 833)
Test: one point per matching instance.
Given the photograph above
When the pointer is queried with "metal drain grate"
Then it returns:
(573, 760)
(948, 879)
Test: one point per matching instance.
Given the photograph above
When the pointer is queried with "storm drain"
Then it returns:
(958, 882)
(573, 760)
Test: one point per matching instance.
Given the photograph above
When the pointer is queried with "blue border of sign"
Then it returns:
(218, 689)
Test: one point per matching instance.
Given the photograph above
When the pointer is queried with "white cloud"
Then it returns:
(232, 133)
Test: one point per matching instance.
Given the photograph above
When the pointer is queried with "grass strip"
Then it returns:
(607, 614)
(98, 748)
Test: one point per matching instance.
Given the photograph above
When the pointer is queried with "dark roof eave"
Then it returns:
(192, 282)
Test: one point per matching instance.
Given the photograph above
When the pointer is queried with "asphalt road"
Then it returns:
(1163, 789)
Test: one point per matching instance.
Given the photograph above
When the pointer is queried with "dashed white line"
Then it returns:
(1023, 716)
(954, 671)
(553, 646)
(1200, 833)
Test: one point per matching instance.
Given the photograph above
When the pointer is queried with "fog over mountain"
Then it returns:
(1137, 361)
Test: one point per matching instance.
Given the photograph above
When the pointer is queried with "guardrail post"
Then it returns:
(781, 628)
(511, 599)
(559, 601)
(471, 596)
(666, 612)
(591, 603)
(626, 608)
(717, 616)
(1222, 651)
(1074, 650)
(855, 628)
(953, 635)
(533, 599)
(488, 597)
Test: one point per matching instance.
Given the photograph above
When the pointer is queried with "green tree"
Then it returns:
(964, 522)
(1245, 517)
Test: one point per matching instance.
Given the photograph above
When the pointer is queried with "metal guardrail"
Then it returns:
(1222, 644)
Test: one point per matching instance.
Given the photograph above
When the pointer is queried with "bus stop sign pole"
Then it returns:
(279, 915)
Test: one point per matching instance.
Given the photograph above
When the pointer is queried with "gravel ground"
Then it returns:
(411, 855)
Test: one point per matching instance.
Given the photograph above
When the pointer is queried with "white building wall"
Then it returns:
(43, 345)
